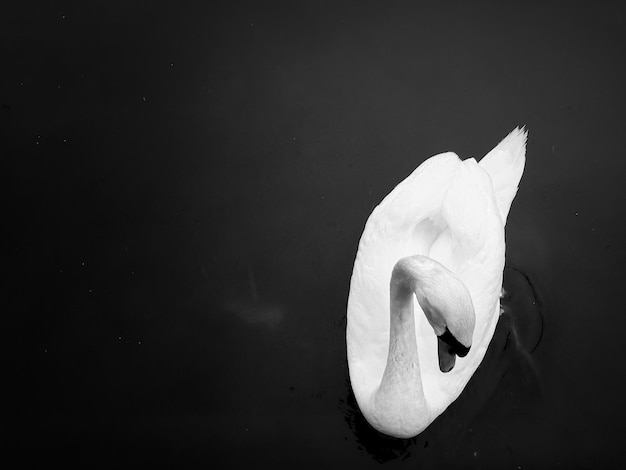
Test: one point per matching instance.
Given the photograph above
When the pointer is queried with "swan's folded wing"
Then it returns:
(505, 165)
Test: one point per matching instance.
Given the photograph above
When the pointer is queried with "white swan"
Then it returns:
(439, 235)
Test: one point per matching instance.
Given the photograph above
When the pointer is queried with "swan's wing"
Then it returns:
(505, 165)
(400, 226)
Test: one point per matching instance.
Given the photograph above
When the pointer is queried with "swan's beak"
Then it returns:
(447, 358)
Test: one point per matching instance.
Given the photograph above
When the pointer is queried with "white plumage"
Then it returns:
(453, 212)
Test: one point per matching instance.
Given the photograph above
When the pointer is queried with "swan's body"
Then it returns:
(441, 233)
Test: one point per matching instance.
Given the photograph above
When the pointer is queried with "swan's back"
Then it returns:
(454, 212)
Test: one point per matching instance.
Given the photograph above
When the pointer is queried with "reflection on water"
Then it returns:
(522, 313)
(507, 384)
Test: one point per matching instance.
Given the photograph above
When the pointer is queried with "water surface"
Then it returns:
(187, 186)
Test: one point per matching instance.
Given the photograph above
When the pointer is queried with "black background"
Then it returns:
(185, 187)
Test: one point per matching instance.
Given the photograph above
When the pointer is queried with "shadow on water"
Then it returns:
(506, 385)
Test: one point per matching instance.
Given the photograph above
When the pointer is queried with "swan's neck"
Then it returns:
(400, 397)
(399, 402)
(403, 358)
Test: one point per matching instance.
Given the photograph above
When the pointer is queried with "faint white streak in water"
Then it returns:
(252, 310)
(255, 313)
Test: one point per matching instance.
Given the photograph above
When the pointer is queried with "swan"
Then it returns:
(438, 237)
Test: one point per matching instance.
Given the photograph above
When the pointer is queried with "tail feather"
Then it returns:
(505, 165)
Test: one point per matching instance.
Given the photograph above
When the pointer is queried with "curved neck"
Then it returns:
(399, 403)
(400, 398)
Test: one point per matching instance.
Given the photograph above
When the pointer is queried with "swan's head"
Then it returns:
(445, 300)
(449, 309)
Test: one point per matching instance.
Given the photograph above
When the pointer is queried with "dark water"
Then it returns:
(187, 186)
